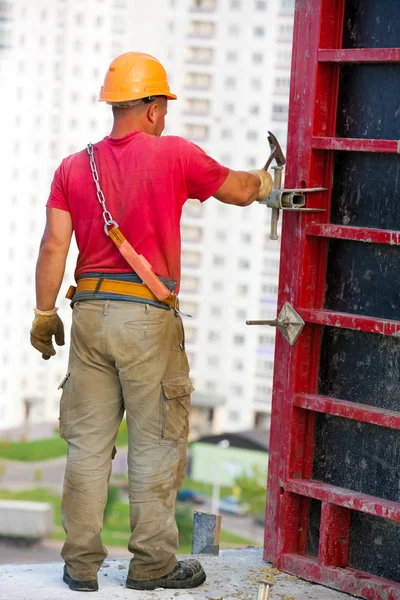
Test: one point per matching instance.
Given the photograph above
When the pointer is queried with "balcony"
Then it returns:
(203, 6)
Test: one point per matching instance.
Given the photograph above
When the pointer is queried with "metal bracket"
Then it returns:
(291, 199)
(289, 323)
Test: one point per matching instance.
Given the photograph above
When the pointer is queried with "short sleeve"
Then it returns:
(57, 197)
(203, 175)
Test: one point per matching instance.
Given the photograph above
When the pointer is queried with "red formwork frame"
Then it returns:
(317, 56)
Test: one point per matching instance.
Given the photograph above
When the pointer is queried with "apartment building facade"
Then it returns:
(229, 63)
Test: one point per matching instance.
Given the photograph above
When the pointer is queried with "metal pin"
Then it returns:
(264, 589)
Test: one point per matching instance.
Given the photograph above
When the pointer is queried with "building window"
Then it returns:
(190, 284)
(203, 5)
(280, 112)
(191, 259)
(252, 135)
(233, 30)
(219, 261)
(238, 340)
(234, 416)
(189, 308)
(214, 336)
(191, 234)
(259, 31)
(287, 4)
(231, 56)
(238, 365)
(282, 84)
(256, 84)
(264, 366)
(269, 288)
(237, 390)
(286, 32)
(226, 134)
(230, 83)
(198, 81)
(218, 285)
(284, 58)
(190, 334)
(196, 132)
(196, 106)
(243, 289)
(257, 57)
(215, 311)
(226, 159)
(220, 235)
(235, 4)
(213, 361)
(203, 29)
(198, 55)
(192, 209)
(244, 263)
(261, 5)
(266, 340)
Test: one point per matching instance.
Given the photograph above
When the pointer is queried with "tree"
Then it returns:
(252, 489)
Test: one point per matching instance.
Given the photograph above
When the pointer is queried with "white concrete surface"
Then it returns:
(233, 575)
(20, 518)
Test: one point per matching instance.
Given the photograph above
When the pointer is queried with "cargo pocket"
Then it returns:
(64, 386)
(174, 409)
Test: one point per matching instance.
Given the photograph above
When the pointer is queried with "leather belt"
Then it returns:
(125, 288)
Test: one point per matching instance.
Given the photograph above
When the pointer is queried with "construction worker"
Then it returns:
(127, 345)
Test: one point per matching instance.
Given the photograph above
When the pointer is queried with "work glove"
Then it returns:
(266, 183)
(46, 324)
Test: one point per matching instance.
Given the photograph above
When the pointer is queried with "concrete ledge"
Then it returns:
(233, 575)
(24, 519)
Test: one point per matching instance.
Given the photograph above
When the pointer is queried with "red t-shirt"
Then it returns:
(145, 180)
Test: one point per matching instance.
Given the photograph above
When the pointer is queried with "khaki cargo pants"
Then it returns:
(124, 356)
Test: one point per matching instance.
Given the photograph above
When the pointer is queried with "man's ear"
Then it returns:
(152, 112)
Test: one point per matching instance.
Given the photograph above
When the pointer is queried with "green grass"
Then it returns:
(46, 449)
(116, 528)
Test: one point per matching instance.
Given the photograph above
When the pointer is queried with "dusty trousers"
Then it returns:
(124, 356)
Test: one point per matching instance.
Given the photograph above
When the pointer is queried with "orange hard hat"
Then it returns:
(135, 75)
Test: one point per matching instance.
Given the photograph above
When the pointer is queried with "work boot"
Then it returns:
(186, 574)
(80, 586)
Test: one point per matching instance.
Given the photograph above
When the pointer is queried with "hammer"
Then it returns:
(278, 156)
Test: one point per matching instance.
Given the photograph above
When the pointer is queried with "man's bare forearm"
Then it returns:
(50, 270)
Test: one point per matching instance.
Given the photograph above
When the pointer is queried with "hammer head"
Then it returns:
(276, 152)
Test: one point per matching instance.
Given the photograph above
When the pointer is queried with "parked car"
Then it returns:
(189, 495)
(230, 505)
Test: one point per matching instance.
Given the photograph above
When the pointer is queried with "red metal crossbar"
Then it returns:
(354, 234)
(349, 321)
(349, 410)
(359, 55)
(344, 497)
(347, 580)
(355, 144)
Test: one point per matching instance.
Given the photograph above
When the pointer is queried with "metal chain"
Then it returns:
(107, 216)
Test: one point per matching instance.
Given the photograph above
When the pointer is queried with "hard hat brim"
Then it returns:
(126, 97)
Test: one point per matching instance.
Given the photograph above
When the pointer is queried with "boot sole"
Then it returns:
(80, 586)
(152, 584)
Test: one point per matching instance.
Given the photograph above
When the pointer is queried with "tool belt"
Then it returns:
(125, 288)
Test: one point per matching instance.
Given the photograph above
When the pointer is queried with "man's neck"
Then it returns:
(120, 130)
